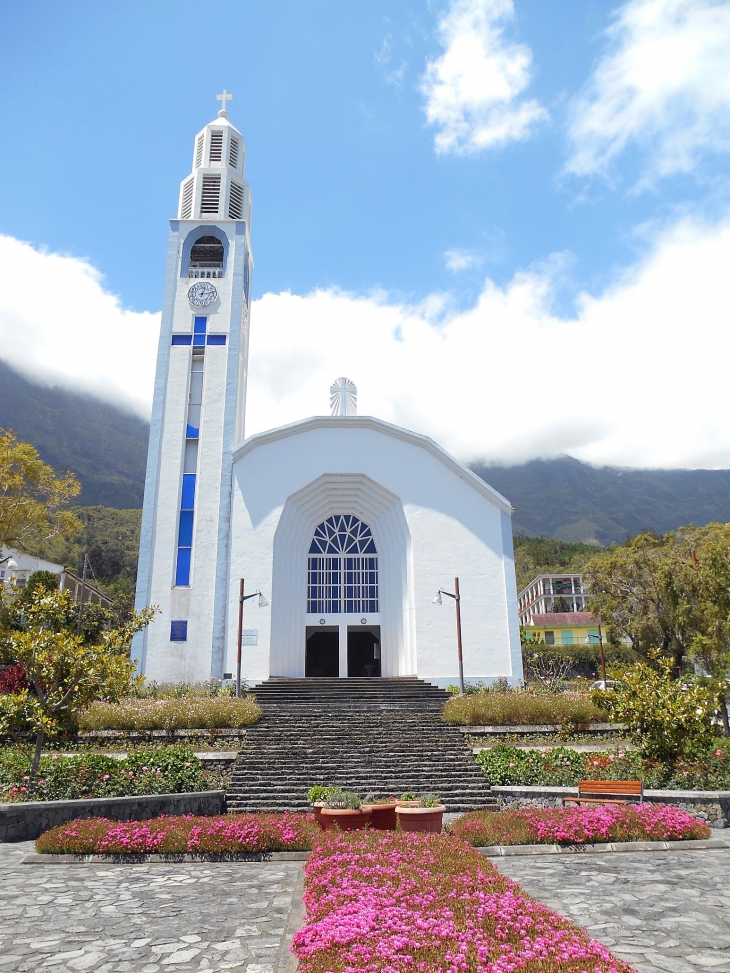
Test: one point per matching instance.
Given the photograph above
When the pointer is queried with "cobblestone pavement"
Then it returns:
(658, 911)
(145, 918)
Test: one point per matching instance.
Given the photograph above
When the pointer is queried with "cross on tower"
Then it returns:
(223, 98)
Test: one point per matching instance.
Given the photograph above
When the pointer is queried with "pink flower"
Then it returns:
(718, 752)
(105, 777)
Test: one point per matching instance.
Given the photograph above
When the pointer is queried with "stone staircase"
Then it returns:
(382, 736)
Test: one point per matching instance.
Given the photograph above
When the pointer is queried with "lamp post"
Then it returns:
(603, 657)
(83, 595)
(457, 598)
(241, 598)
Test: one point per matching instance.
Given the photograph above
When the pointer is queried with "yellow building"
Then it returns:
(564, 628)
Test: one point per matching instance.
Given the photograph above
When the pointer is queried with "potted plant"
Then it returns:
(316, 796)
(408, 800)
(428, 816)
(382, 812)
(344, 810)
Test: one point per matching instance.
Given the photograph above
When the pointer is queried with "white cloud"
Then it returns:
(637, 377)
(458, 260)
(663, 85)
(59, 325)
(472, 90)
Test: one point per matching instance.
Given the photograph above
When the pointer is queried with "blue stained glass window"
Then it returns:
(188, 491)
(198, 339)
(191, 432)
(216, 339)
(200, 325)
(179, 631)
(185, 536)
(182, 339)
(182, 574)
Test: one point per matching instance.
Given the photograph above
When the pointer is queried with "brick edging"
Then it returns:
(697, 844)
(171, 859)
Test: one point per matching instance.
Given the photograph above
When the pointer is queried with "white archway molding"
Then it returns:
(382, 511)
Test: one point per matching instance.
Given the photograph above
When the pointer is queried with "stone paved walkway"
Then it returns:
(658, 911)
(147, 918)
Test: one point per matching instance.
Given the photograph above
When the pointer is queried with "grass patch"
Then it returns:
(579, 825)
(520, 707)
(185, 713)
(391, 903)
(180, 834)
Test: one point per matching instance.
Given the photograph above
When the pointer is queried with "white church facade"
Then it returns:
(347, 525)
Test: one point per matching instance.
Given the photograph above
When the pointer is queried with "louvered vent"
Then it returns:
(211, 194)
(186, 206)
(216, 146)
(235, 205)
(233, 154)
(199, 152)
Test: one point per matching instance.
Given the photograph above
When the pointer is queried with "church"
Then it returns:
(333, 546)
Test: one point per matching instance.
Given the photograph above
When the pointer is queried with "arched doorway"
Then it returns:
(342, 580)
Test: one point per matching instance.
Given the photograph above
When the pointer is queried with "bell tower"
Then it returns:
(198, 413)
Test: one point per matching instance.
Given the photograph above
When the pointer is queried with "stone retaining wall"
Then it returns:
(28, 819)
(710, 806)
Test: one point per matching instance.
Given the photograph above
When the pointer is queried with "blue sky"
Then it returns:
(415, 162)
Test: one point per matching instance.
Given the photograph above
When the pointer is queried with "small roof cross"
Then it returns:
(223, 98)
(343, 397)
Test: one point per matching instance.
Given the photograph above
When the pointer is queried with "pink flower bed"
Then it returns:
(576, 824)
(228, 833)
(383, 902)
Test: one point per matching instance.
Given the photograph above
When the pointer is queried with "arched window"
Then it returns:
(342, 569)
(206, 258)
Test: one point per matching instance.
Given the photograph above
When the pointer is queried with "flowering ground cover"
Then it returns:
(225, 834)
(564, 767)
(190, 712)
(579, 825)
(167, 770)
(389, 902)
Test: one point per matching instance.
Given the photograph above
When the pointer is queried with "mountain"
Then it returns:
(105, 446)
(571, 501)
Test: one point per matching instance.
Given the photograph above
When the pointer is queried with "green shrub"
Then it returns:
(521, 707)
(667, 718)
(184, 713)
(564, 767)
(169, 770)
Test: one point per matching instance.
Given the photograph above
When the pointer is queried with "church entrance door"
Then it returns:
(323, 652)
(363, 651)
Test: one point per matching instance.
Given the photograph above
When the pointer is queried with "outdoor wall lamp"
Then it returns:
(263, 602)
(438, 600)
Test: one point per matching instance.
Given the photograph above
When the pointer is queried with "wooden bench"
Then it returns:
(607, 792)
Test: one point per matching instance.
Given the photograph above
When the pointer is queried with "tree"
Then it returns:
(561, 605)
(64, 671)
(668, 718)
(32, 495)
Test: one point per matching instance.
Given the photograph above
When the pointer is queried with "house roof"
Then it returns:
(564, 619)
(385, 428)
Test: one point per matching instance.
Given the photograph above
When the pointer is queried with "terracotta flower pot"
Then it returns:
(343, 818)
(421, 818)
(317, 812)
(382, 816)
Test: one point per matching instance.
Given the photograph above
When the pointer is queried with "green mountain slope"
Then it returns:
(563, 499)
(571, 501)
(103, 445)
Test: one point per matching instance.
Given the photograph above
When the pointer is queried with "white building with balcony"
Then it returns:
(541, 594)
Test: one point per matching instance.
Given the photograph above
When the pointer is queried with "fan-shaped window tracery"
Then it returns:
(342, 568)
